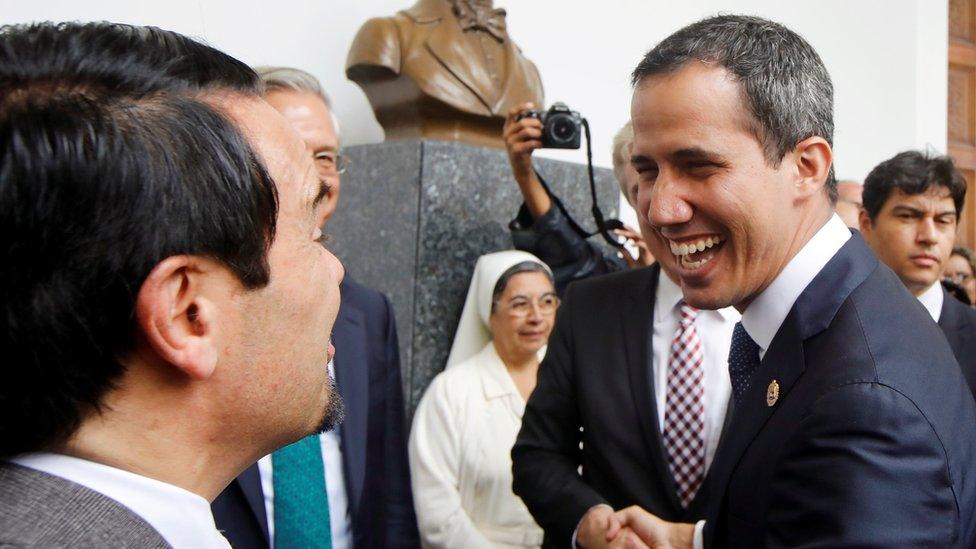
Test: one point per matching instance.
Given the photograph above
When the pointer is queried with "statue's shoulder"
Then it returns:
(377, 44)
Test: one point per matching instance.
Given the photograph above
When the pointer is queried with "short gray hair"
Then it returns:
(785, 83)
(622, 142)
(290, 79)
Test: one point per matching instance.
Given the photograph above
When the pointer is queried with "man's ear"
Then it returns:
(813, 158)
(864, 223)
(177, 317)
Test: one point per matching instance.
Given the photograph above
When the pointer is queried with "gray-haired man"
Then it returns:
(359, 471)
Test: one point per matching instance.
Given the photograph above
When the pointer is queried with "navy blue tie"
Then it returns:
(743, 361)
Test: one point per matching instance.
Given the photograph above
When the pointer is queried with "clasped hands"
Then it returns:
(633, 528)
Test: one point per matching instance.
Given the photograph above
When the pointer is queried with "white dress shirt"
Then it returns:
(335, 486)
(715, 331)
(932, 299)
(767, 312)
(460, 459)
(181, 517)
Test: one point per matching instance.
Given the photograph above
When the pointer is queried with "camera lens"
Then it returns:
(563, 129)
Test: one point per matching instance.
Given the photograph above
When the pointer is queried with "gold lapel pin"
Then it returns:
(772, 393)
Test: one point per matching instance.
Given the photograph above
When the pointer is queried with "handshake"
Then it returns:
(632, 527)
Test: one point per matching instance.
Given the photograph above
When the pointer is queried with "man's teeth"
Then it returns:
(688, 248)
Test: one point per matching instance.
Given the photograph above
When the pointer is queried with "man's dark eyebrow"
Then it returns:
(324, 188)
(692, 153)
(640, 159)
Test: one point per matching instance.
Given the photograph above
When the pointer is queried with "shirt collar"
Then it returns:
(496, 381)
(668, 295)
(932, 300)
(182, 518)
(767, 312)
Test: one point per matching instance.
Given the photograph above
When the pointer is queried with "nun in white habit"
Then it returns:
(466, 423)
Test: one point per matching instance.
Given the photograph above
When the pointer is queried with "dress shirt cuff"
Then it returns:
(698, 542)
(576, 531)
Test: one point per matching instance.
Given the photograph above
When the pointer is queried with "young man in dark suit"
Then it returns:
(912, 203)
(851, 423)
(361, 472)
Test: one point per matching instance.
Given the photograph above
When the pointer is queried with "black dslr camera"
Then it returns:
(560, 126)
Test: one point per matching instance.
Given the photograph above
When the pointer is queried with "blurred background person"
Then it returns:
(466, 423)
(961, 269)
(848, 205)
(542, 225)
(910, 215)
(356, 475)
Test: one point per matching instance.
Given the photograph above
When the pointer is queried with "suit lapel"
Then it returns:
(515, 66)
(784, 360)
(447, 43)
(637, 325)
(352, 379)
(951, 322)
(250, 484)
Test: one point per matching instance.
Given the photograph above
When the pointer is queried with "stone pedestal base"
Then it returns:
(412, 220)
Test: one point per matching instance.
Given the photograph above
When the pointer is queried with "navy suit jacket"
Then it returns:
(958, 323)
(377, 477)
(871, 440)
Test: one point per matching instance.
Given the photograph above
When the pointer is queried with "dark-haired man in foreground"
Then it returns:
(851, 424)
(158, 328)
(912, 203)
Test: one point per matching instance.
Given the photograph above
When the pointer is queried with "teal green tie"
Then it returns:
(301, 503)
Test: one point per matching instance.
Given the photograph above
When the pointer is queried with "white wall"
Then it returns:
(887, 57)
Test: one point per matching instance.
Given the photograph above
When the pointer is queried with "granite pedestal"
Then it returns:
(412, 220)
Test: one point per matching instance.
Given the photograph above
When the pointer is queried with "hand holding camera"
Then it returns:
(560, 126)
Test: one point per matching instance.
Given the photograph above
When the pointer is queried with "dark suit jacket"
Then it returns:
(377, 477)
(560, 243)
(597, 375)
(958, 323)
(42, 510)
(871, 440)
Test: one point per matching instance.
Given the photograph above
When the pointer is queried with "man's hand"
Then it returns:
(594, 528)
(521, 138)
(644, 256)
(654, 532)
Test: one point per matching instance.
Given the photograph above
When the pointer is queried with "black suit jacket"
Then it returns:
(871, 439)
(597, 375)
(958, 323)
(377, 477)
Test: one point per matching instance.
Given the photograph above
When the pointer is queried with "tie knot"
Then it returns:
(688, 313)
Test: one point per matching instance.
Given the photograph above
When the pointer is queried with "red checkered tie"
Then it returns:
(684, 415)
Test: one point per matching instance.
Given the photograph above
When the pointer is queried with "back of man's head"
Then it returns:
(912, 172)
(110, 162)
(784, 82)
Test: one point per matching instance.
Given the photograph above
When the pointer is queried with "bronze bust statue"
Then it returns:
(443, 69)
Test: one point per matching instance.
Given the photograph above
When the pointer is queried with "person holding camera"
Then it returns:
(542, 226)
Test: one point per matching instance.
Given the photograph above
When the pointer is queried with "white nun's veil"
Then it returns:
(472, 332)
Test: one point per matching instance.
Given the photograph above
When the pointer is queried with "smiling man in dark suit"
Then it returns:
(911, 212)
(358, 472)
(852, 425)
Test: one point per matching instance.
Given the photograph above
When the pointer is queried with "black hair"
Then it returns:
(523, 267)
(784, 82)
(110, 162)
(912, 172)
